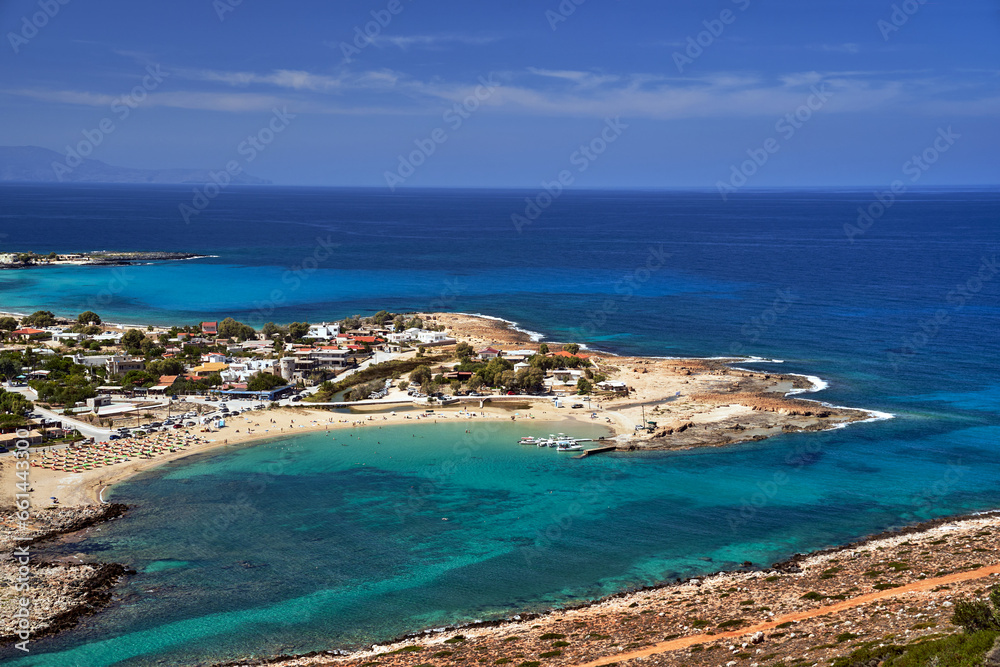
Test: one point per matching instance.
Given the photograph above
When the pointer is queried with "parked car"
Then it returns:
(577, 405)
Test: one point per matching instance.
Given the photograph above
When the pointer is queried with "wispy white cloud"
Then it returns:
(438, 41)
(569, 93)
(846, 47)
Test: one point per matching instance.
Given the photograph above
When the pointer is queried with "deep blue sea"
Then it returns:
(308, 543)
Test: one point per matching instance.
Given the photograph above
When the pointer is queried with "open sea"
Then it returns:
(344, 540)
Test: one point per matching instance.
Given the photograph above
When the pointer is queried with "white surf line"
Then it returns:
(100, 496)
(535, 336)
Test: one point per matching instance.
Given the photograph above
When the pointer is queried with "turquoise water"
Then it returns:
(328, 552)
(341, 538)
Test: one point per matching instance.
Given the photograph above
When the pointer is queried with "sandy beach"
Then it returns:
(680, 403)
(84, 488)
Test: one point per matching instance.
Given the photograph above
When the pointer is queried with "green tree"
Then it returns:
(398, 323)
(270, 329)
(381, 317)
(13, 403)
(464, 350)
(139, 379)
(39, 319)
(420, 375)
(165, 367)
(403, 384)
(265, 382)
(230, 328)
(543, 348)
(7, 324)
(572, 348)
(9, 368)
(132, 340)
(298, 330)
(583, 386)
(87, 317)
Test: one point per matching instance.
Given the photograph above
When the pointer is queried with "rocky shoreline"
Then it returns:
(715, 604)
(104, 258)
(61, 593)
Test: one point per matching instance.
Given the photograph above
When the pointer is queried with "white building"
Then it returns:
(422, 336)
(243, 369)
(324, 331)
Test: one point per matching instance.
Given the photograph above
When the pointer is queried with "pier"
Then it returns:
(596, 450)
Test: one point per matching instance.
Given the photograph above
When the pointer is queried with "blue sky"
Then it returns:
(880, 92)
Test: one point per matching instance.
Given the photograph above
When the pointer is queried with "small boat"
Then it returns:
(528, 440)
(544, 443)
(568, 445)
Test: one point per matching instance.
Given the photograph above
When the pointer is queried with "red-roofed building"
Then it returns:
(210, 328)
(164, 383)
(24, 333)
(564, 353)
(490, 353)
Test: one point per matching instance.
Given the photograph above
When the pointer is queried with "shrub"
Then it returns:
(733, 623)
(550, 654)
(975, 616)
(552, 635)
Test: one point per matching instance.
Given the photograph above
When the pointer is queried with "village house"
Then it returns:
(119, 365)
(615, 386)
(26, 332)
(241, 370)
(324, 331)
(489, 353)
(207, 369)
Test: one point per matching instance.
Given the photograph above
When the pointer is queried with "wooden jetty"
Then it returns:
(596, 450)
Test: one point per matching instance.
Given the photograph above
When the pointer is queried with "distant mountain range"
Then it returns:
(38, 165)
